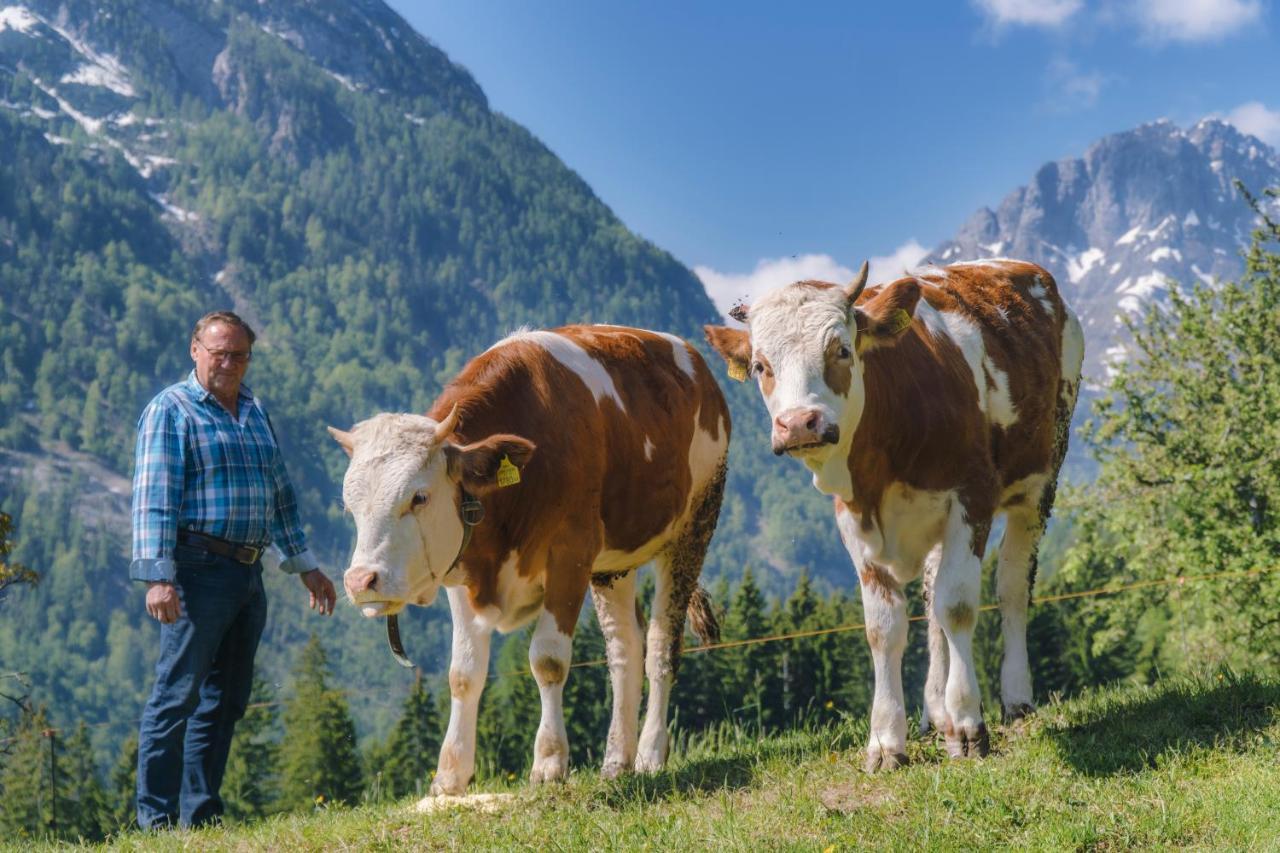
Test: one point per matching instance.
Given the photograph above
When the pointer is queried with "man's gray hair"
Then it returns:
(229, 317)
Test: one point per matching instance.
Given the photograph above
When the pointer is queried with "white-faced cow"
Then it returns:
(617, 438)
(925, 407)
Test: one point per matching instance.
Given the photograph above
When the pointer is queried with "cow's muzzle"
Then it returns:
(802, 429)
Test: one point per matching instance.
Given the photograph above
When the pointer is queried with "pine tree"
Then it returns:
(510, 709)
(27, 807)
(404, 763)
(318, 759)
(250, 787)
(122, 796)
(82, 811)
(752, 670)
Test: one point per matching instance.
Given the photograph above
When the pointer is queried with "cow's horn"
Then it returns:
(854, 290)
(446, 427)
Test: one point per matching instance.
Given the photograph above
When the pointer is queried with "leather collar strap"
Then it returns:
(471, 512)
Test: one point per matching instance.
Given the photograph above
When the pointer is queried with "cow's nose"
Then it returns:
(802, 427)
(360, 580)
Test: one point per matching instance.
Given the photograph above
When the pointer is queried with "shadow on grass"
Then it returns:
(731, 766)
(1131, 731)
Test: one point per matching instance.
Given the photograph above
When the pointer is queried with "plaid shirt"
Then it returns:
(198, 468)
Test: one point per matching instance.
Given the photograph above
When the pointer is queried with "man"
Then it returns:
(210, 491)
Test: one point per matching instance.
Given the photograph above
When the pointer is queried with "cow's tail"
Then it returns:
(702, 617)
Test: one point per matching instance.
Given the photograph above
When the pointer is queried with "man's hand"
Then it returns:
(322, 595)
(163, 603)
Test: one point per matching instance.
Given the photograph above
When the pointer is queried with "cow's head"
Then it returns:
(804, 345)
(404, 489)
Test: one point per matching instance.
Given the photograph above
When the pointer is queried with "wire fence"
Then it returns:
(1177, 580)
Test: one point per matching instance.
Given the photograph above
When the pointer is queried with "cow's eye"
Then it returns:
(757, 368)
(844, 351)
(419, 499)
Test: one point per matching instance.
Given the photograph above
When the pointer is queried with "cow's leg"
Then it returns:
(550, 654)
(955, 607)
(934, 713)
(885, 611)
(1015, 573)
(567, 576)
(468, 668)
(615, 600)
(676, 579)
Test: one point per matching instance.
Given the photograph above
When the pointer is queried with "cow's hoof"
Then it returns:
(883, 760)
(448, 785)
(1018, 711)
(652, 754)
(969, 741)
(552, 768)
(614, 769)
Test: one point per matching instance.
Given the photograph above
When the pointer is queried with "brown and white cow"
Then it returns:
(619, 437)
(925, 407)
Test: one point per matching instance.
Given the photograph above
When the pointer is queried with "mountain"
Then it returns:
(1140, 209)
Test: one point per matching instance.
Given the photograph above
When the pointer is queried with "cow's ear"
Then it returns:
(492, 463)
(734, 346)
(344, 439)
(883, 318)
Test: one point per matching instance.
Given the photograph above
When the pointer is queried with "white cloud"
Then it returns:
(729, 289)
(1038, 13)
(904, 258)
(1195, 20)
(1073, 88)
(1254, 118)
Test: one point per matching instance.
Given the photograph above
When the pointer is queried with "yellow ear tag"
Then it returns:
(901, 319)
(738, 371)
(508, 474)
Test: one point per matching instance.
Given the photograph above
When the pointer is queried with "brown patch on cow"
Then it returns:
(767, 380)
(588, 487)
(960, 616)
(683, 560)
(460, 683)
(838, 372)
(734, 345)
(921, 424)
(877, 579)
(549, 670)
(978, 535)
(878, 317)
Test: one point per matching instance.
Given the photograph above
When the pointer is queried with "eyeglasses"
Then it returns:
(233, 356)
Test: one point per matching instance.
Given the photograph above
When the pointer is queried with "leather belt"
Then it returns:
(246, 554)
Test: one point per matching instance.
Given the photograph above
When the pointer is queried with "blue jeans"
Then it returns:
(203, 680)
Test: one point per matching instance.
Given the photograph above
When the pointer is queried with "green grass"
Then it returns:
(1187, 763)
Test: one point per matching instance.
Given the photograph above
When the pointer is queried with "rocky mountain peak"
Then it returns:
(1139, 210)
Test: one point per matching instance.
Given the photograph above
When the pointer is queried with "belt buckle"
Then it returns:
(254, 550)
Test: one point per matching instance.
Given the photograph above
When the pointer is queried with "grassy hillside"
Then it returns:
(1183, 763)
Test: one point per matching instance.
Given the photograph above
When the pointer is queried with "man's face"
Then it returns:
(221, 354)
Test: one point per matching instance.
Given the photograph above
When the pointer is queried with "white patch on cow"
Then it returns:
(998, 263)
(648, 449)
(791, 328)
(680, 352)
(1072, 357)
(519, 597)
(964, 332)
(1000, 409)
(958, 586)
(615, 604)
(575, 358)
(468, 668)
(550, 654)
(1040, 293)
(409, 552)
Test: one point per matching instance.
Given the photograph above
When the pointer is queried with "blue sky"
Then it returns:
(762, 141)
